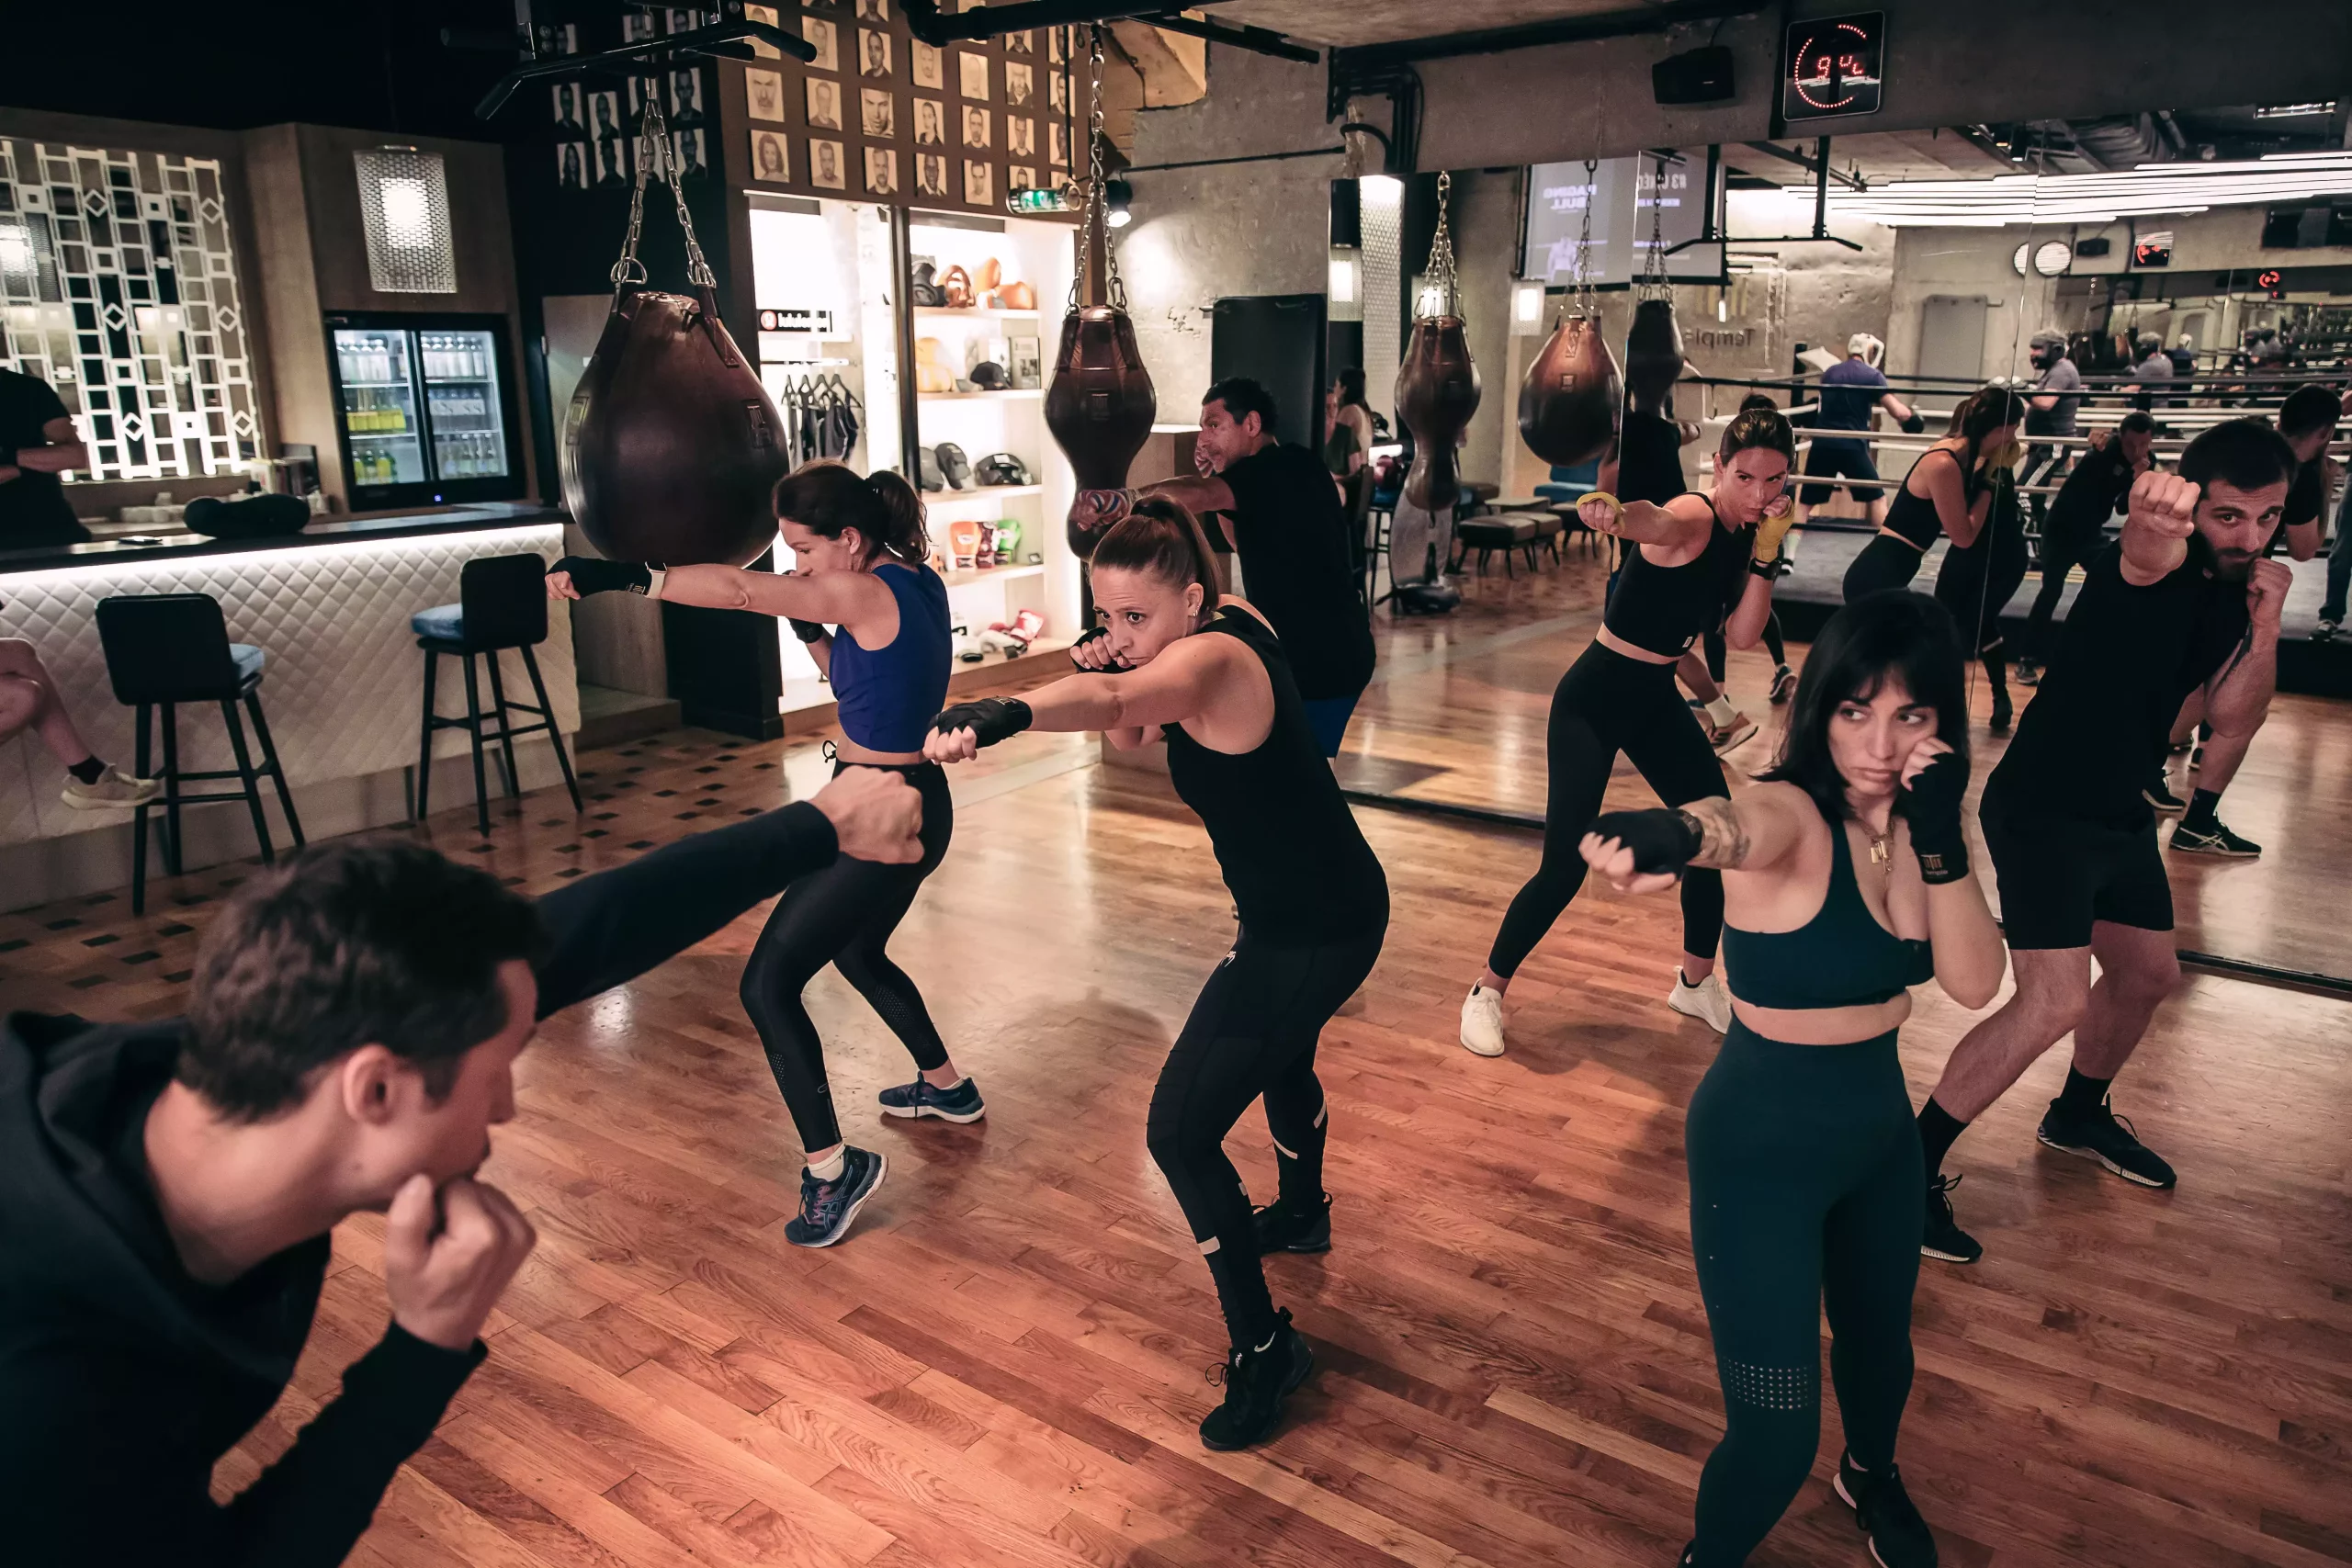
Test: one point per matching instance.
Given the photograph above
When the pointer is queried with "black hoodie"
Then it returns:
(123, 1380)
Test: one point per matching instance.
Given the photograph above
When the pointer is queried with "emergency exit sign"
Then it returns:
(1833, 67)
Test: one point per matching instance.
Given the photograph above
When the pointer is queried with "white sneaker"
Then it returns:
(1482, 1022)
(1707, 1001)
(113, 791)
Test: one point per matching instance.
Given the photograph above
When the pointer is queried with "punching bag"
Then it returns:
(671, 448)
(1652, 356)
(1100, 405)
(1570, 403)
(1437, 391)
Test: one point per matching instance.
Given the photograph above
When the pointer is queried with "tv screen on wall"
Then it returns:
(1621, 192)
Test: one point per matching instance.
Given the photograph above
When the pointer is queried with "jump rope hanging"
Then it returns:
(1437, 385)
(1100, 405)
(671, 447)
(1573, 397)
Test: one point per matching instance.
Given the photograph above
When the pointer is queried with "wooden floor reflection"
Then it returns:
(1003, 1365)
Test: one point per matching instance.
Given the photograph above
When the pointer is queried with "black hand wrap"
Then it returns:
(1662, 840)
(1095, 635)
(806, 631)
(590, 575)
(1931, 804)
(1913, 423)
(990, 719)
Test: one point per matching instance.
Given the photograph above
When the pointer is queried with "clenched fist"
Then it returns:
(2266, 592)
(447, 1257)
(2163, 504)
(1599, 511)
(875, 814)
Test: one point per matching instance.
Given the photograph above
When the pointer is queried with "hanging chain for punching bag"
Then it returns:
(670, 449)
(1101, 404)
(1437, 385)
(1654, 343)
(1572, 400)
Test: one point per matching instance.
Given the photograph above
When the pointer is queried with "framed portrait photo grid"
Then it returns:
(880, 115)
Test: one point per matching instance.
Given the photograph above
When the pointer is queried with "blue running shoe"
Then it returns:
(828, 1207)
(918, 1099)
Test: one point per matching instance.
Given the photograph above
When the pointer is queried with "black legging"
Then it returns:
(1804, 1194)
(2060, 554)
(1886, 562)
(1977, 583)
(1252, 1033)
(844, 916)
(1604, 705)
(1718, 645)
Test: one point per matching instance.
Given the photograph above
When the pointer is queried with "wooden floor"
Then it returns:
(1003, 1364)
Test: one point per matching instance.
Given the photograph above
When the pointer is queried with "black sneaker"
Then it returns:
(2108, 1138)
(918, 1099)
(1942, 1236)
(828, 1207)
(2026, 672)
(2160, 796)
(1785, 686)
(2219, 841)
(2326, 631)
(1256, 1383)
(2003, 712)
(1283, 1229)
(2197, 757)
(1899, 1538)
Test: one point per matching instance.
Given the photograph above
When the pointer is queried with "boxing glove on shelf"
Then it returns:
(1931, 804)
(1662, 840)
(990, 719)
(591, 575)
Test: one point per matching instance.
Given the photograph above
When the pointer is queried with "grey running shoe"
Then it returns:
(828, 1207)
(114, 790)
(961, 1103)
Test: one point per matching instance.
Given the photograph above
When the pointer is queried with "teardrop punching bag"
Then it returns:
(1437, 391)
(1652, 356)
(670, 449)
(1573, 397)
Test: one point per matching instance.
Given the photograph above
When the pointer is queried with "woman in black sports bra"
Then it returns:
(1689, 564)
(1846, 880)
(1944, 493)
(1168, 660)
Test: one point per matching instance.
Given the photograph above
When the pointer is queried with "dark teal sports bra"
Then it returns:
(1840, 958)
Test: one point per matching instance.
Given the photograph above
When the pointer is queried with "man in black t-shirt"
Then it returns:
(38, 443)
(1276, 508)
(2077, 525)
(166, 1189)
(2184, 602)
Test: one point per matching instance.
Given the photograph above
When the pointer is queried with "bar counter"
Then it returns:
(343, 688)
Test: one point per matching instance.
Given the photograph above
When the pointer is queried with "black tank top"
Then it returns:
(1841, 957)
(1297, 865)
(1915, 517)
(1665, 609)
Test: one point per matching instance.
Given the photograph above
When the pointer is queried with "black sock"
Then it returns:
(1938, 1128)
(1996, 668)
(89, 770)
(2082, 1095)
(2199, 817)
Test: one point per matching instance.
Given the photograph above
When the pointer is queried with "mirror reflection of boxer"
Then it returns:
(1850, 390)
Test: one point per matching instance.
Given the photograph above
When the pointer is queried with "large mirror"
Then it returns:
(2133, 279)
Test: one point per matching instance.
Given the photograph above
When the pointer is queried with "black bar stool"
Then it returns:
(166, 649)
(503, 603)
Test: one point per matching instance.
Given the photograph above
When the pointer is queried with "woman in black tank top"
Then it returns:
(1688, 562)
(1944, 492)
(1169, 660)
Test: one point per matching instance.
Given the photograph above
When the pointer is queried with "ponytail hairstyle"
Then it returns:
(1159, 536)
(1982, 413)
(1761, 428)
(828, 498)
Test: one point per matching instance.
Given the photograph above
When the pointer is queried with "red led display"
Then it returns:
(1835, 66)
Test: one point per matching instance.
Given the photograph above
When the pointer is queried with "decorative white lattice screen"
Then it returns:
(119, 287)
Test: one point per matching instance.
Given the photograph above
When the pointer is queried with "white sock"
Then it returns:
(832, 1167)
(1719, 712)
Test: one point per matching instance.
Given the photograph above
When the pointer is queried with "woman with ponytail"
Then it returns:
(1168, 659)
(1953, 497)
(859, 550)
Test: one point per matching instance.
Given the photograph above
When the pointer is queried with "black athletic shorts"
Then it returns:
(2057, 876)
(1834, 458)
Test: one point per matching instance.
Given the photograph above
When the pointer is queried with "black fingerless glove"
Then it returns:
(590, 575)
(1094, 635)
(806, 631)
(1931, 804)
(1662, 839)
(990, 719)
(1914, 425)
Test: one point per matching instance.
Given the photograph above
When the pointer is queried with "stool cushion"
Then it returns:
(1545, 524)
(445, 621)
(248, 660)
(1495, 532)
(1482, 489)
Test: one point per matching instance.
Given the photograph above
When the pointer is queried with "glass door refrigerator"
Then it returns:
(426, 410)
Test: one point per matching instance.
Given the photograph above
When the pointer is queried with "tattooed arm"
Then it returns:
(1643, 851)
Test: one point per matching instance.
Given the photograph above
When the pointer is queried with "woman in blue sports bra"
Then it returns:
(860, 556)
(1845, 881)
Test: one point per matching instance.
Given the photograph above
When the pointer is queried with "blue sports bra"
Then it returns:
(1842, 957)
(888, 696)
